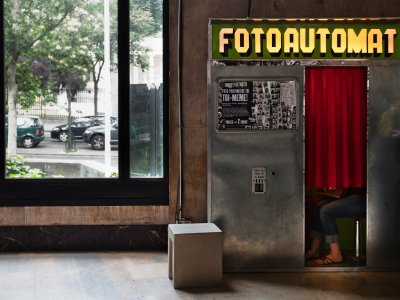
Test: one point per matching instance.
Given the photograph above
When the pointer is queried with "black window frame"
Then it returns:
(95, 191)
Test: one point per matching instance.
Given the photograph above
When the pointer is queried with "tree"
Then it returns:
(56, 43)
(28, 25)
(94, 30)
(145, 21)
(71, 56)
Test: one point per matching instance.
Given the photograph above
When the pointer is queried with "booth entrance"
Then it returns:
(335, 165)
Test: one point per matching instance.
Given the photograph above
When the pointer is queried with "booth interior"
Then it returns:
(335, 163)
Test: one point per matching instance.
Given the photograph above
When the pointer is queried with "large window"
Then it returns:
(146, 89)
(84, 108)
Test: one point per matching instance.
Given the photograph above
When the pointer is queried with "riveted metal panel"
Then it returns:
(383, 208)
(261, 231)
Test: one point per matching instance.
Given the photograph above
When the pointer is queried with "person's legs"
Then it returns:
(351, 206)
(313, 252)
(317, 230)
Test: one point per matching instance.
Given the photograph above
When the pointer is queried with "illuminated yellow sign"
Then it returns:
(255, 41)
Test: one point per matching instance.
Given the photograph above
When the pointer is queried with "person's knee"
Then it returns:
(319, 205)
(324, 212)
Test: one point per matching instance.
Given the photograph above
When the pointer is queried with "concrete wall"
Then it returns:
(195, 41)
(195, 45)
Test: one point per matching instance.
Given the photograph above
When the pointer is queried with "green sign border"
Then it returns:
(217, 24)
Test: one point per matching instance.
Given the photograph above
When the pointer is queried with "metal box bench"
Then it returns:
(195, 255)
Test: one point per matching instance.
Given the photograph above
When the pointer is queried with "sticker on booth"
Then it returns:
(257, 104)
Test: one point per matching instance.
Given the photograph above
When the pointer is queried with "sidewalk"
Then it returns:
(53, 147)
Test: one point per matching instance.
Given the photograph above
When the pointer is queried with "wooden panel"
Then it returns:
(84, 215)
(195, 174)
(12, 215)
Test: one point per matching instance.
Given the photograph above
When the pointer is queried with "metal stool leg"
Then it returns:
(357, 239)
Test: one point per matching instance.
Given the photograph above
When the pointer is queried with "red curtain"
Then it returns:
(336, 126)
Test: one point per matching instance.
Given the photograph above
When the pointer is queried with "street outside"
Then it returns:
(54, 150)
(49, 60)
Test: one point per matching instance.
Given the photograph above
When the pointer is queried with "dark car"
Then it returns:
(95, 136)
(78, 126)
(30, 131)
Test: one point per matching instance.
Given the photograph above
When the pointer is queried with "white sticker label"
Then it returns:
(259, 179)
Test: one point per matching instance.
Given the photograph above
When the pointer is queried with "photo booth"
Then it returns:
(268, 80)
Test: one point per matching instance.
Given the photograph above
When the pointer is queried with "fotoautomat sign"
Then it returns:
(305, 39)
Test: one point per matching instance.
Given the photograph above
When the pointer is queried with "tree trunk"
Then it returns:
(70, 139)
(12, 87)
(96, 79)
(96, 97)
(12, 109)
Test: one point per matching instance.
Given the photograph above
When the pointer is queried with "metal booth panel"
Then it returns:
(261, 231)
(383, 207)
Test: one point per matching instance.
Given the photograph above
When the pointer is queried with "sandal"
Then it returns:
(326, 261)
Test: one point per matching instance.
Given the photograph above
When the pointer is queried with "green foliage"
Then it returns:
(145, 21)
(33, 32)
(146, 18)
(57, 43)
(93, 32)
(66, 48)
(141, 159)
(16, 168)
(31, 86)
(28, 84)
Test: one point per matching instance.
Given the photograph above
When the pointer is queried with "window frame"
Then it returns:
(96, 191)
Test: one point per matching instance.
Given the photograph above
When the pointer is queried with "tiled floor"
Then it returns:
(138, 275)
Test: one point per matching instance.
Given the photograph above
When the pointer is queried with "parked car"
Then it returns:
(78, 126)
(95, 136)
(30, 131)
